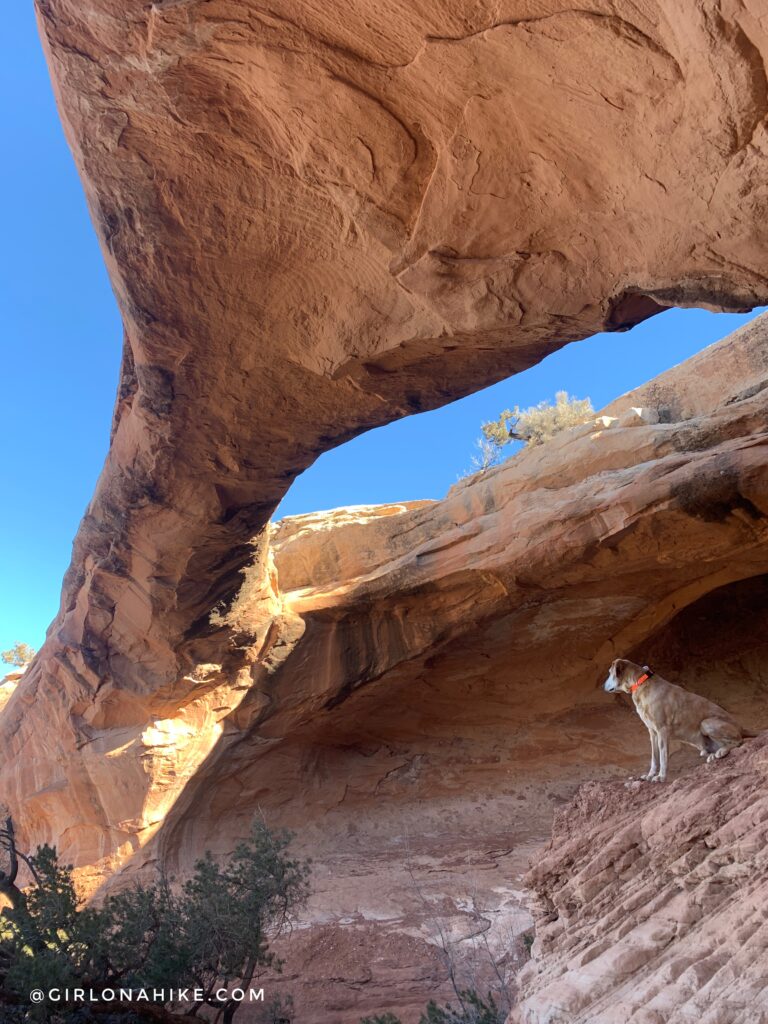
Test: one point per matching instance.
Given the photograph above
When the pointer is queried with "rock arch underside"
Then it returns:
(318, 218)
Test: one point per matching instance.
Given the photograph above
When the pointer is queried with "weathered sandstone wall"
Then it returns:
(424, 694)
(652, 902)
(318, 218)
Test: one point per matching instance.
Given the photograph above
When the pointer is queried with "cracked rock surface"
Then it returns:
(421, 693)
(318, 218)
(652, 902)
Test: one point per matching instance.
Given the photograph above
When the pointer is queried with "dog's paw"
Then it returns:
(658, 778)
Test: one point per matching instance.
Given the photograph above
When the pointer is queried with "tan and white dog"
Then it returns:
(672, 713)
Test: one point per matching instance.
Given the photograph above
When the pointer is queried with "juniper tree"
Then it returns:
(20, 654)
(211, 933)
(534, 425)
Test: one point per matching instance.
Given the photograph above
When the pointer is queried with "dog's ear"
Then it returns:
(620, 667)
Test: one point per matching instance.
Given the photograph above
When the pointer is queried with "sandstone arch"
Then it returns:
(317, 219)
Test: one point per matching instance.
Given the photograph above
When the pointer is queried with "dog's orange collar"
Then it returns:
(643, 679)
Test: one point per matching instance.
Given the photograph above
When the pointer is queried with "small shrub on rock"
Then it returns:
(534, 426)
(20, 654)
(539, 423)
(472, 1009)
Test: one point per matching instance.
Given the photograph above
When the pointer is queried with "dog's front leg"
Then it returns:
(653, 770)
(662, 740)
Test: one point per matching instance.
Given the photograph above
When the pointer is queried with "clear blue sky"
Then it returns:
(61, 339)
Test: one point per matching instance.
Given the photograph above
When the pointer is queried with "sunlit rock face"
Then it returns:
(318, 218)
(423, 688)
(8, 684)
(651, 901)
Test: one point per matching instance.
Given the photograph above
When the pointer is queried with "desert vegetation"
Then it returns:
(470, 1008)
(20, 655)
(210, 934)
(534, 426)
